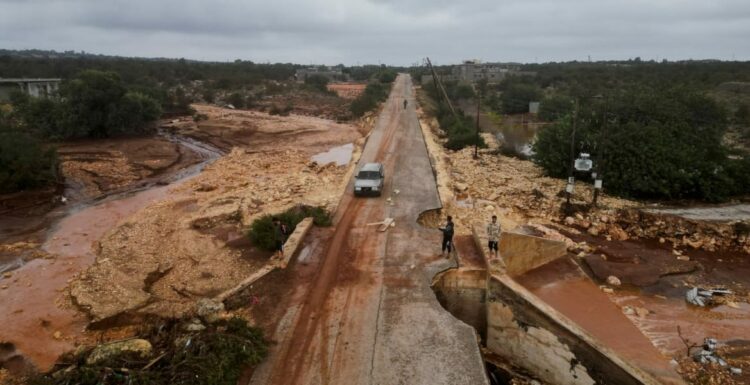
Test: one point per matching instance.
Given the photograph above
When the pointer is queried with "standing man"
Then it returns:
(493, 234)
(405, 103)
(278, 238)
(447, 237)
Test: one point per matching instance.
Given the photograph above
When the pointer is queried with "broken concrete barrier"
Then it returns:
(522, 253)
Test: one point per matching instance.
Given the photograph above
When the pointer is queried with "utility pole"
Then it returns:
(439, 85)
(571, 178)
(476, 140)
(599, 164)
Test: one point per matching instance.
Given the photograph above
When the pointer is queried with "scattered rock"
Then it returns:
(194, 325)
(210, 310)
(607, 290)
(57, 335)
(642, 312)
(617, 233)
(108, 351)
(613, 281)
(570, 221)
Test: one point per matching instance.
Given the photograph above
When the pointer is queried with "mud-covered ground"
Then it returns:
(157, 251)
(347, 90)
(303, 102)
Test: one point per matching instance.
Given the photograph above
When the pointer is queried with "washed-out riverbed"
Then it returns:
(38, 324)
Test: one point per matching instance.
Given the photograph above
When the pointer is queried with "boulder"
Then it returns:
(613, 281)
(210, 310)
(617, 233)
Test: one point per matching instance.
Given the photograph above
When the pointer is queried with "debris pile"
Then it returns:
(188, 351)
(706, 297)
(709, 355)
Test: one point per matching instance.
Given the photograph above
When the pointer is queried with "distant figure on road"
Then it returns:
(493, 234)
(447, 237)
(279, 237)
(405, 103)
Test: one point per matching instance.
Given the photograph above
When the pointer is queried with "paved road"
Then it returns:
(367, 314)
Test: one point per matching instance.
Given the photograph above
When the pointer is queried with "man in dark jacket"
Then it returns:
(279, 237)
(447, 237)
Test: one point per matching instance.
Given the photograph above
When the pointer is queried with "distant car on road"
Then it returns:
(369, 180)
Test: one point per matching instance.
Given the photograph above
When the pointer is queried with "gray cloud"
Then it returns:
(387, 31)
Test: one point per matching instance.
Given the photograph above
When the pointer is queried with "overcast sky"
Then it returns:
(399, 32)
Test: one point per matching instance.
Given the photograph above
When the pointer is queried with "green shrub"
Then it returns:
(387, 76)
(660, 144)
(374, 93)
(237, 100)
(516, 97)
(93, 104)
(25, 163)
(317, 82)
(261, 231)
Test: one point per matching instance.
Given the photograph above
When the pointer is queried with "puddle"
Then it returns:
(340, 155)
(738, 212)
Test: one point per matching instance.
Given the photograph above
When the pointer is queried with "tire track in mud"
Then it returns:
(312, 321)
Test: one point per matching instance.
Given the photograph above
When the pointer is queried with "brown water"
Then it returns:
(31, 314)
(723, 213)
(660, 325)
(562, 285)
(36, 318)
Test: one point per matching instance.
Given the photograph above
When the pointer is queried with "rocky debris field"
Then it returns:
(168, 255)
(259, 132)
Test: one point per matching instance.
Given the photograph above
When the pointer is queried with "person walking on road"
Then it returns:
(405, 103)
(447, 237)
(493, 234)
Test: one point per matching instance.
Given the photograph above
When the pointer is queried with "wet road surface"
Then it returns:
(367, 315)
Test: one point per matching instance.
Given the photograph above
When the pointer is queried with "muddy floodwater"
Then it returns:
(738, 212)
(37, 321)
(724, 323)
(340, 155)
(565, 287)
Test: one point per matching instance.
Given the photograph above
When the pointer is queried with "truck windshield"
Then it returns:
(368, 175)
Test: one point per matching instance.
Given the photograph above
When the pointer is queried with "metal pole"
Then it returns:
(600, 153)
(572, 152)
(476, 140)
